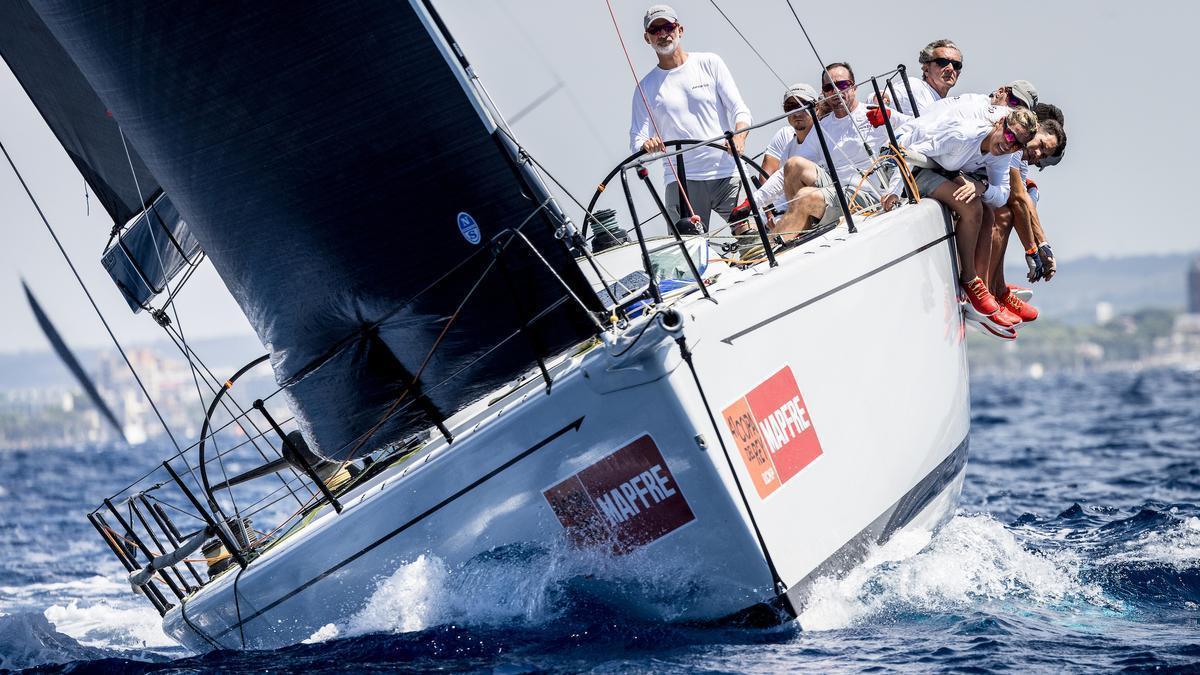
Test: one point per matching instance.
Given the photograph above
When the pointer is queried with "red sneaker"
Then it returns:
(980, 297)
(1005, 318)
(1012, 303)
(1002, 333)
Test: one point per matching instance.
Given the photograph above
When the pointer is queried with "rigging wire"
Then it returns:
(82, 285)
(836, 92)
(748, 43)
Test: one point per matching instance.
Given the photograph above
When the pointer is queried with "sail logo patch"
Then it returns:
(773, 431)
(625, 500)
(469, 228)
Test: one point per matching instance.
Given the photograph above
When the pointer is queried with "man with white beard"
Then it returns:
(689, 96)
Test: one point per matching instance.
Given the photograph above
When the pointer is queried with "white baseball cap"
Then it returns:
(1024, 90)
(657, 12)
(804, 92)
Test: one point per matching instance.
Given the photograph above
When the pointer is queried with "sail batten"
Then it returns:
(333, 163)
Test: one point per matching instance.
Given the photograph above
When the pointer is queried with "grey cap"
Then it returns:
(1024, 90)
(805, 92)
(657, 12)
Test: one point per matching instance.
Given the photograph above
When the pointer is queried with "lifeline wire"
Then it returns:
(88, 293)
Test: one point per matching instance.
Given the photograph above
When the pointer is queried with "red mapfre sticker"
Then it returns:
(773, 432)
(623, 501)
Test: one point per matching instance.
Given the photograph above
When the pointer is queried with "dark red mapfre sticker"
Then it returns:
(623, 501)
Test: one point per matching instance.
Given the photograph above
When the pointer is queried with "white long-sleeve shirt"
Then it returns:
(848, 139)
(783, 146)
(950, 133)
(924, 95)
(697, 100)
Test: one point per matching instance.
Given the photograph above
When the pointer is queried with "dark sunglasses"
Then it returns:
(942, 62)
(1014, 102)
(1012, 137)
(662, 28)
(842, 85)
(792, 106)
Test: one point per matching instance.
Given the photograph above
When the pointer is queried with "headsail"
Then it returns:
(157, 246)
(351, 191)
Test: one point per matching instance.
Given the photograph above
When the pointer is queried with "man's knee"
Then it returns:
(800, 169)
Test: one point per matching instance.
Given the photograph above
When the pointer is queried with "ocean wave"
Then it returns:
(971, 561)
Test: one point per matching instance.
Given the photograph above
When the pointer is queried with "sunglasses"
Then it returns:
(1014, 102)
(842, 85)
(942, 62)
(792, 106)
(662, 28)
(1011, 137)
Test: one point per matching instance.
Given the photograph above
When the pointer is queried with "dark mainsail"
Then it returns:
(157, 244)
(346, 184)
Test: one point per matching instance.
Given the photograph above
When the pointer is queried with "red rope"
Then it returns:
(646, 102)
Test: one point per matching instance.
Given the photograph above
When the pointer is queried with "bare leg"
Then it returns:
(983, 245)
(1000, 235)
(966, 233)
(804, 201)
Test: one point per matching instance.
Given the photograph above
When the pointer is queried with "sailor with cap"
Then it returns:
(793, 140)
(689, 95)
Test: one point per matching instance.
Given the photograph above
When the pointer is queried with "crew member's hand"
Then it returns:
(1047, 255)
(1034, 262)
(654, 145)
(890, 202)
(965, 192)
(739, 144)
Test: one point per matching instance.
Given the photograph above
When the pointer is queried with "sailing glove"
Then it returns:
(1048, 266)
(1034, 262)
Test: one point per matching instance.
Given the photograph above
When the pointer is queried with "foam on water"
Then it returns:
(104, 625)
(525, 585)
(971, 560)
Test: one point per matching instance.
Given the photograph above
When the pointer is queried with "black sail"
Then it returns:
(78, 118)
(157, 244)
(334, 165)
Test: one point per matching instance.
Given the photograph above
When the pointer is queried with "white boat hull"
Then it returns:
(631, 456)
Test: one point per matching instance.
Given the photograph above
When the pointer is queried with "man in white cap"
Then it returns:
(689, 96)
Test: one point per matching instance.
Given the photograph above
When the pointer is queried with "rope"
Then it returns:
(646, 102)
(92, 300)
(748, 43)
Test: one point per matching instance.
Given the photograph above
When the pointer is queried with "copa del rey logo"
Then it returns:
(773, 431)
(625, 500)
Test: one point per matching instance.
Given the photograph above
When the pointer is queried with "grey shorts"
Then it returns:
(705, 196)
(833, 205)
(928, 181)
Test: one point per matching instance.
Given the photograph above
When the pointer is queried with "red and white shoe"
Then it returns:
(1025, 294)
(1002, 333)
(1014, 304)
(981, 306)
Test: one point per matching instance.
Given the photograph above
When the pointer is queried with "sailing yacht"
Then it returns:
(466, 377)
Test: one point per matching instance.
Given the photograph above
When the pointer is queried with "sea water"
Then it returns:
(1076, 547)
